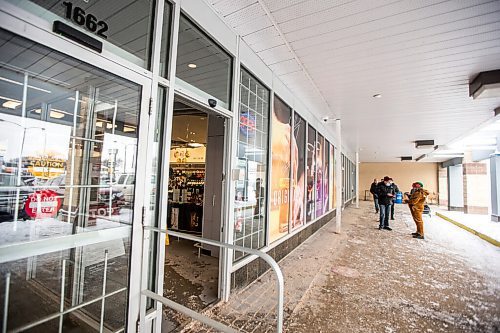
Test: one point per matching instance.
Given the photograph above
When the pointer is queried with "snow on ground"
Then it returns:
(370, 280)
(480, 223)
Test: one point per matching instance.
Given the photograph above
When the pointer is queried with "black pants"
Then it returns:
(392, 211)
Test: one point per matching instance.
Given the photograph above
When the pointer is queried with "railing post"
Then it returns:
(6, 303)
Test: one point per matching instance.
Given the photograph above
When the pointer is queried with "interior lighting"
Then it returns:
(192, 65)
(56, 114)
(11, 104)
(423, 144)
(195, 145)
(128, 129)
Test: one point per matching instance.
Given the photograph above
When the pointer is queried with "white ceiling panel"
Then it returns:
(419, 54)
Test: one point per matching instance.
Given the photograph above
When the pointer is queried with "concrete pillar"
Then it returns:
(495, 183)
(443, 187)
(338, 177)
(455, 188)
(476, 193)
(356, 167)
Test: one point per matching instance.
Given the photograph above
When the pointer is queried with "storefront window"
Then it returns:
(202, 65)
(125, 24)
(332, 188)
(250, 202)
(320, 165)
(326, 177)
(311, 174)
(165, 39)
(298, 190)
(68, 142)
(280, 172)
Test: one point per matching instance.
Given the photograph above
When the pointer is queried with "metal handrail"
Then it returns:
(210, 322)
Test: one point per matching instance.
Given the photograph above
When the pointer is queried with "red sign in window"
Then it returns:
(43, 204)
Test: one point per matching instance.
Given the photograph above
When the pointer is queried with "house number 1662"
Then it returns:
(89, 21)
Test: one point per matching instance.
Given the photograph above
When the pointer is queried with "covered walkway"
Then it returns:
(366, 280)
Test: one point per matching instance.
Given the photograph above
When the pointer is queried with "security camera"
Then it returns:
(212, 102)
(325, 119)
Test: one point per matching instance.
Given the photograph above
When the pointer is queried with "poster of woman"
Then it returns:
(319, 175)
(298, 175)
(281, 142)
(310, 173)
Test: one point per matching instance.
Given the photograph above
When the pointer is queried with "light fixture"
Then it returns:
(11, 104)
(98, 124)
(424, 144)
(192, 65)
(420, 157)
(485, 84)
(406, 158)
(56, 114)
(377, 96)
(128, 129)
(37, 111)
(195, 145)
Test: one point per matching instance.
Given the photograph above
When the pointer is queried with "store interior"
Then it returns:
(194, 207)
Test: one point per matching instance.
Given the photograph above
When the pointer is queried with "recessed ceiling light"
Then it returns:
(377, 96)
(128, 129)
(57, 114)
(11, 104)
(195, 145)
(192, 65)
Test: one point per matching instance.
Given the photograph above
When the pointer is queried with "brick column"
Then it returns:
(476, 186)
(443, 187)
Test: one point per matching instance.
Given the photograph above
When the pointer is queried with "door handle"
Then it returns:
(213, 200)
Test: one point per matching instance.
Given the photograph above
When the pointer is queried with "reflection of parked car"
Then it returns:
(126, 185)
(8, 191)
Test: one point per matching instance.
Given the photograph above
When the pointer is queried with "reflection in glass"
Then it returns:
(250, 209)
(202, 63)
(311, 173)
(68, 142)
(320, 164)
(132, 40)
(298, 189)
(280, 172)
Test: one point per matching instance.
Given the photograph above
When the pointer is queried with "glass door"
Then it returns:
(69, 145)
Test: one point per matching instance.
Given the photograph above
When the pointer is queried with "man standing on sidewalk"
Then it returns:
(385, 194)
(416, 203)
(396, 190)
(373, 191)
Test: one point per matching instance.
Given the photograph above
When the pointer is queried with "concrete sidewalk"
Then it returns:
(369, 280)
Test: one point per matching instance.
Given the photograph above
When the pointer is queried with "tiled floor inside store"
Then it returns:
(189, 280)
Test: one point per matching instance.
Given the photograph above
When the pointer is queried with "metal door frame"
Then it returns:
(26, 25)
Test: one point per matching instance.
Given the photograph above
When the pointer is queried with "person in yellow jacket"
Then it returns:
(416, 203)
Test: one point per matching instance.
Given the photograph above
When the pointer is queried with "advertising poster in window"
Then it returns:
(319, 175)
(332, 177)
(281, 140)
(298, 171)
(326, 192)
(310, 173)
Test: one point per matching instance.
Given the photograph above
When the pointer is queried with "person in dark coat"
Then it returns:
(396, 190)
(385, 195)
(373, 191)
